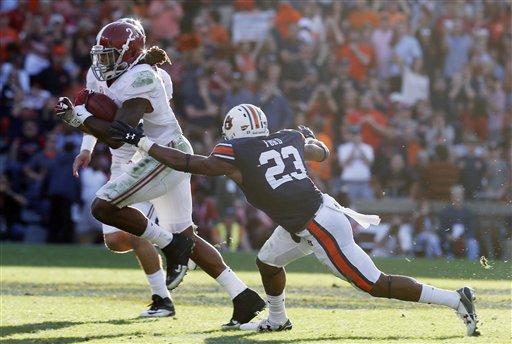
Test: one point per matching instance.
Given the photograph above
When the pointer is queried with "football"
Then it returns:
(101, 106)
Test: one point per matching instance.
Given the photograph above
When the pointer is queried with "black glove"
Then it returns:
(306, 132)
(123, 132)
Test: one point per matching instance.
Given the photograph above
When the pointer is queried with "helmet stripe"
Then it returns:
(254, 116)
(259, 115)
(249, 116)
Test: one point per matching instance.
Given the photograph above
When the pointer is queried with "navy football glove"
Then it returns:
(123, 132)
(308, 133)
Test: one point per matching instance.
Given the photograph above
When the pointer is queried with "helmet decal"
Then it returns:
(244, 120)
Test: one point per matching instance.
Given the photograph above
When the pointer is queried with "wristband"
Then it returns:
(187, 162)
(81, 113)
(309, 140)
(88, 142)
(145, 144)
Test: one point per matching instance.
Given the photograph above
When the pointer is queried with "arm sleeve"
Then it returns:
(88, 143)
(224, 151)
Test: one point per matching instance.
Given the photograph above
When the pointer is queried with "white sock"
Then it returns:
(157, 235)
(231, 283)
(157, 284)
(276, 309)
(438, 296)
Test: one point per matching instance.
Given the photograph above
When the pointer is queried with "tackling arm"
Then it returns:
(130, 112)
(196, 164)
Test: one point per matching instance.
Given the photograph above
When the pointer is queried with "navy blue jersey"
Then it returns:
(274, 175)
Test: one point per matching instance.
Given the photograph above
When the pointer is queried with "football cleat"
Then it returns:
(177, 255)
(246, 306)
(160, 307)
(466, 310)
(266, 325)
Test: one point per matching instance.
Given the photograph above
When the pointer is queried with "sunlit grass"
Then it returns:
(69, 294)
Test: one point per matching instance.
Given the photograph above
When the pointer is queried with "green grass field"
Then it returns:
(71, 294)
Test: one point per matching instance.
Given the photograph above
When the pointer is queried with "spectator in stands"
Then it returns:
(322, 108)
(426, 241)
(439, 132)
(23, 148)
(497, 173)
(458, 227)
(355, 158)
(201, 110)
(362, 15)
(229, 235)
(275, 105)
(237, 93)
(457, 44)
(55, 78)
(406, 48)
(472, 169)
(204, 213)
(226, 194)
(373, 123)
(11, 205)
(381, 39)
(165, 19)
(439, 176)
(14, 86)
(358, 53)
(285, 16)
(495, 107)
(88, 229)
(63, 190)
(8, 35)
(415, 83)
(36, 172)
(397, 181)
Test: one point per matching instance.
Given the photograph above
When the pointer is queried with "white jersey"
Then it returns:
(144, 81)
(159, 98)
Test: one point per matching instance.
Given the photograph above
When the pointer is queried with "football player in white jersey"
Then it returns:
(120, 241)
(126, 72)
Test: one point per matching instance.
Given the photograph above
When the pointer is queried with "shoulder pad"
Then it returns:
(138, 82)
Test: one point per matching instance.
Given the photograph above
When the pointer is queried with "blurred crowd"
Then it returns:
(412, 97)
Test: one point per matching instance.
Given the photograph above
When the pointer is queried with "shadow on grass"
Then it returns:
(249, 338)
(58, 340)
(56, 325)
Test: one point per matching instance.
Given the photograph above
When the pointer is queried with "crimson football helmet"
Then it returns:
(244, 120)
(119, 46)
(134, 22)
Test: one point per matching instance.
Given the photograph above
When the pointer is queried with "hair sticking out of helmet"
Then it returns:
(244, 120)
(119, 47)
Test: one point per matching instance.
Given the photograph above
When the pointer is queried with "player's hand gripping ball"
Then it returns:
(98, 104)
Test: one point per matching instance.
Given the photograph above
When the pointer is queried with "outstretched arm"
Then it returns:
(176, 159)
(195, 164)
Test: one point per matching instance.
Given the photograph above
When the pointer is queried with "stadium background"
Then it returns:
(427, 85)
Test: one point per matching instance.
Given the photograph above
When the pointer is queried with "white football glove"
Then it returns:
(72, 115)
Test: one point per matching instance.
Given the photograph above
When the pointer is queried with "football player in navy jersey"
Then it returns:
(270, 170)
